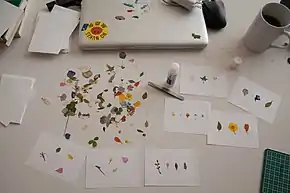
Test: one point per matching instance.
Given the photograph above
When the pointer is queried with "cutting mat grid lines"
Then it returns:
(276, 172)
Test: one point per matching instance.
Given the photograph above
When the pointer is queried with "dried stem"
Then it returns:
(65, 128)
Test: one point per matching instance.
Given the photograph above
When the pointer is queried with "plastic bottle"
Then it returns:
(172, 75)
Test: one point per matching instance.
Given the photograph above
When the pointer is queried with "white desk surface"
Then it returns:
(223, 169)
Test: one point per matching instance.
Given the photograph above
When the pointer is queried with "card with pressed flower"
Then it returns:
(233, 129)
(171, 167)
(190, 116)
(114, 168)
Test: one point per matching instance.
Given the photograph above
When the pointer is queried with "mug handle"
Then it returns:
(287, 34)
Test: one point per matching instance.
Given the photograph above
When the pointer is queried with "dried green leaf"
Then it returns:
(119, 112)
(97, 76)
(95, 144)
(67, 136)
(91, 142)
(96, 138)
(80, 96)
(268, 104)
(128, 5)
(140, 131)
(58, 150)
(176, 166)
(45, 101)
(87, 85)
(87, 74)
(146, 124)
(112, 78)
(73, 78)
(73, 94)
(219, 126)
(110, 68)
(62, 97)
(64, 111)
(245, 91)
(103, 119)
(131, 81)
(86, 101)
(185, 166)
(122, 55)
(144, 96)
(115, 169)
(114, 110)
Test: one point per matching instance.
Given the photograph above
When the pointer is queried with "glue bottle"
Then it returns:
(172, 75)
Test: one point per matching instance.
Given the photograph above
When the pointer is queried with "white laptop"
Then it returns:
(140, 24)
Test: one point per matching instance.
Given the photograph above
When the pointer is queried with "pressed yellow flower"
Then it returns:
(129, 96)
(233, 127)
(70, 157)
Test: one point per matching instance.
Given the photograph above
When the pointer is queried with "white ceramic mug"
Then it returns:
(270, 23)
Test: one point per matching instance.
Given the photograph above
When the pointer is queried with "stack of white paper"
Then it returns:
(10, 20)
(53, 30)
(15, 92)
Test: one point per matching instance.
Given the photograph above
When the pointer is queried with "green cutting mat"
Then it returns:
(276, 172)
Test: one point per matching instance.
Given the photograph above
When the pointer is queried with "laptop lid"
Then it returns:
(140, 24)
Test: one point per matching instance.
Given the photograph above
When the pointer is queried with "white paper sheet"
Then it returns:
(57, 156)
(48, 34)
(15, 92)
(186, 116)
(72, 20)
(245, 95)
(114, 168)
(9, 15)
(178, 167)
(233, 129)
(203, 80)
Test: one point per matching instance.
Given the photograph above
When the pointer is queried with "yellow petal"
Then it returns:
(129, 96)
(70, 157)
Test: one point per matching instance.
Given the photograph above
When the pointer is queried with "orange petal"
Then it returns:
(122, 97)
(137, 104)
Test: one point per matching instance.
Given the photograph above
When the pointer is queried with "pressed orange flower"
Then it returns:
(137, 104)
(122, 97)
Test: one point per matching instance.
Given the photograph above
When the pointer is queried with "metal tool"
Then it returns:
(166, 90)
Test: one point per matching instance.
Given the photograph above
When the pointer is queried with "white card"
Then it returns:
(186, 116)
(114, 168)
(9, 15)
(255, 99)
(72, 20)
(48, 34)
(204, 81)
(15, 92)
(233, 129)
(58, 157)
(171, 167)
